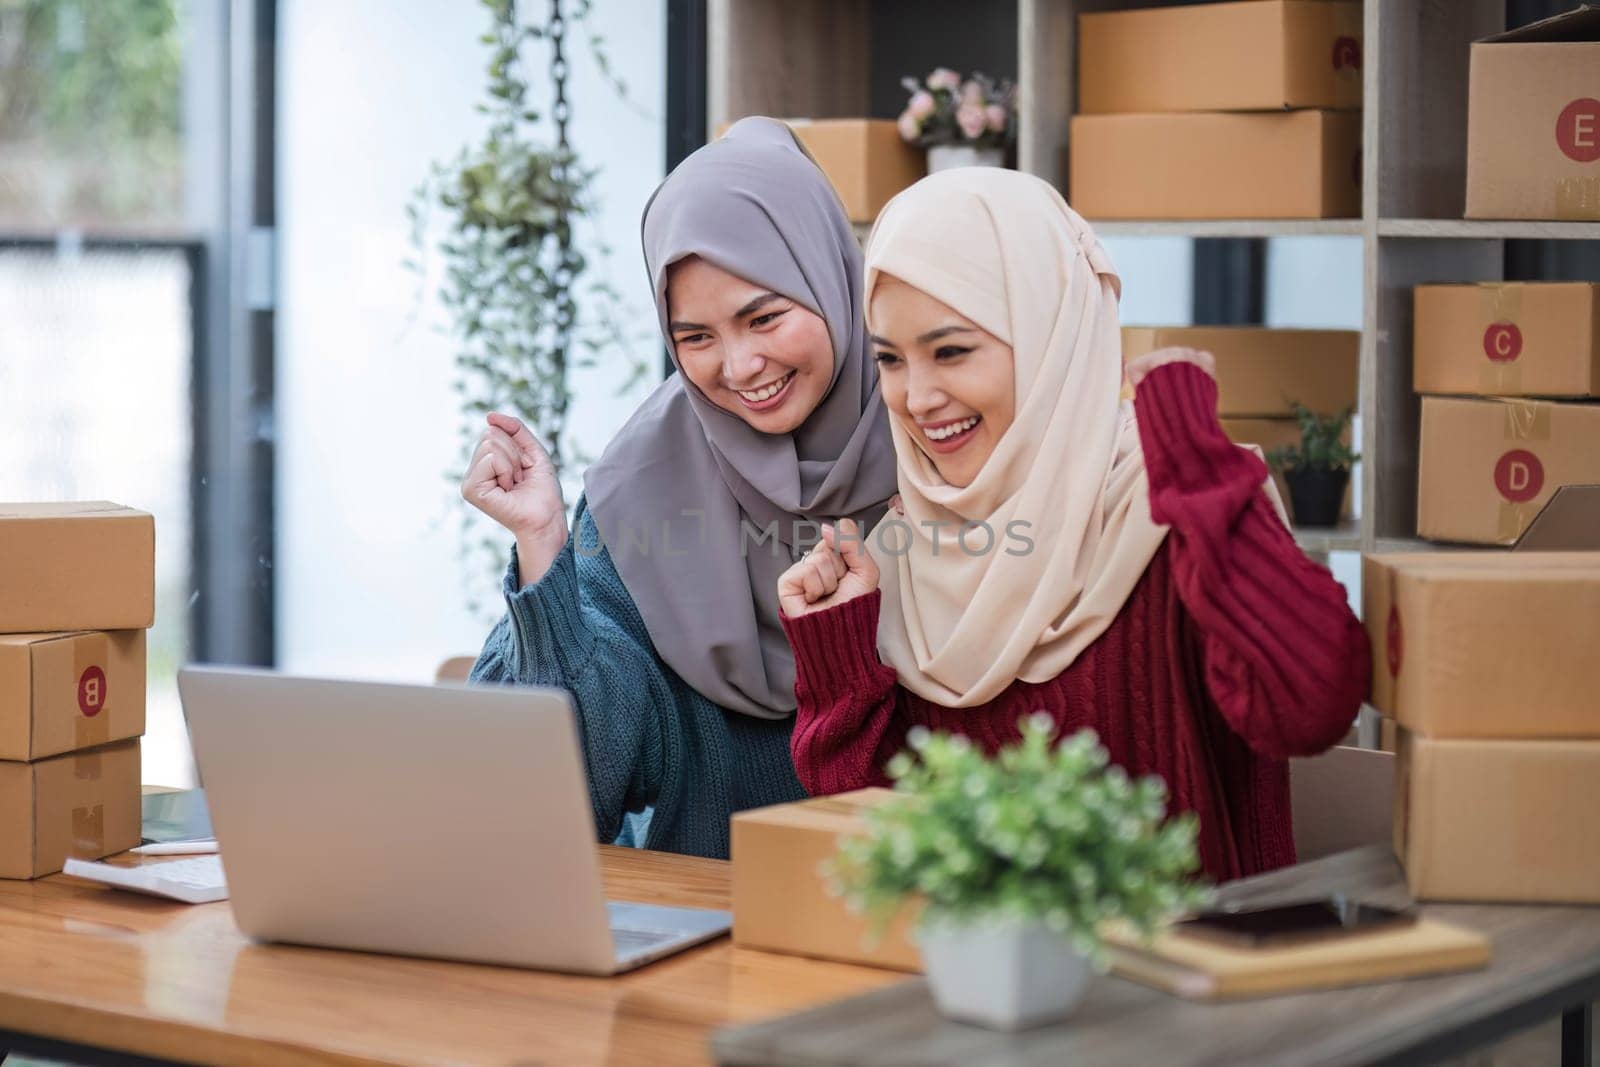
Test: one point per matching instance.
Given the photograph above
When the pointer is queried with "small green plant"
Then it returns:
(1321, 447)
(1042, 832)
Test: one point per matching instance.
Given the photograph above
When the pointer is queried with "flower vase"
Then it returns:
(945, 156)
(1002, 973)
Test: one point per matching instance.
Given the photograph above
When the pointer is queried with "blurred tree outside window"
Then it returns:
(97, 336)
(90, 114)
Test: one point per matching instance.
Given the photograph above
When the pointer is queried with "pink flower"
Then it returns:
(910, 128)
(944, 78)
(972, 94)
(997, 117)
(921, 105)
(972, 121)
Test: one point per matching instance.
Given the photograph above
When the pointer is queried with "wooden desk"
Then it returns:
(1547, 962)
(102, 969)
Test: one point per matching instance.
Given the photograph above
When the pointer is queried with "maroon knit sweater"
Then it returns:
(1233, 652)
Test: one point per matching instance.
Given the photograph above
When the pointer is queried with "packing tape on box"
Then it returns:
(1500, 379)
(89, 832)
(1527, 420)
(1512, 520)
(86, 767)
(1577, 198)
(1500, 304)
(90, 654)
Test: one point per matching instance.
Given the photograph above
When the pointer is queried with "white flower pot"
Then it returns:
(1003, 974)
(945, 156)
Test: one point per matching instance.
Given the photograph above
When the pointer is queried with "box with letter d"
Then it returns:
(1487, 466)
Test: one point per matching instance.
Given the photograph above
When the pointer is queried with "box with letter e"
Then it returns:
(1533, 121)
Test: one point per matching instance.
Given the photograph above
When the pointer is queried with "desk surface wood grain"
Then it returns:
(92, 965)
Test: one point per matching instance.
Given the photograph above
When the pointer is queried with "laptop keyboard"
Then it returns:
(630, 942)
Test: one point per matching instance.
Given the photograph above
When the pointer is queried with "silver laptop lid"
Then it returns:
(443, 821)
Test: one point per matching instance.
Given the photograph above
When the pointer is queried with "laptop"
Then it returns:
(444, 821)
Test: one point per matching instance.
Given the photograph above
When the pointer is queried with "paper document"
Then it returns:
(196, 880)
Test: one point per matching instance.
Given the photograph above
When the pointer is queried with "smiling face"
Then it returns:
(951, 384)
(752, 352)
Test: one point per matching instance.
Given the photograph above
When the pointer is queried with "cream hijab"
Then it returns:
(1005, 250)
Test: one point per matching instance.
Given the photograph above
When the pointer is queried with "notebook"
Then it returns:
(1204, 970)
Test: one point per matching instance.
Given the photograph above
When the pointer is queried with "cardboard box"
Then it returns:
(1507, 339)
(865, 159)
(1503, 821)
(77, 566)
(1485, 644)
(1486, 467)
(1260, 372)
(1339, 800)
(1533, 121)
(1388, 735)
(83, 804)
(1277, 433)
(1247, 56)
(65, 692)
(780, 901)
(1289, 165)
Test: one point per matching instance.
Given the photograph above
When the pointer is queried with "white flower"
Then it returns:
(922, 104)
(944, 78)
(972, 121)
(910, 129)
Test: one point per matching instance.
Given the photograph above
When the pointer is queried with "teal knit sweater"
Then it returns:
(650, 742)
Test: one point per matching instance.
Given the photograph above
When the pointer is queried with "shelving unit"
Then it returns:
(1229, 228)
(831, 58)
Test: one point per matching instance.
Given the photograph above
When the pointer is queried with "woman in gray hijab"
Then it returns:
(658, 613)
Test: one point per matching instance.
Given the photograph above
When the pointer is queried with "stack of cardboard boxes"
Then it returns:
(1486, 662)
(1262, 372)
(1238, 110)
(77, 592)
(1508, 372)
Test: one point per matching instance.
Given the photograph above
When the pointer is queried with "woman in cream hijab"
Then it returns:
(1057, 549)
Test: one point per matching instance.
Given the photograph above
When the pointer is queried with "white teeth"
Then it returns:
(767, 392)
(951, 430)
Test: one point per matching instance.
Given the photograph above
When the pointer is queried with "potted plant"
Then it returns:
(960, 121)
(1016, 860)
(1318, 469)
(526, 302)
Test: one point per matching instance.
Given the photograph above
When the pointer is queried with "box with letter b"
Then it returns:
(77, 592)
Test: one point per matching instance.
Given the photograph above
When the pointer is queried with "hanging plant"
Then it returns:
(524, 305)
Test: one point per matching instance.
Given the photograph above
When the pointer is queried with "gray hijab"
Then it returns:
(702, 513)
